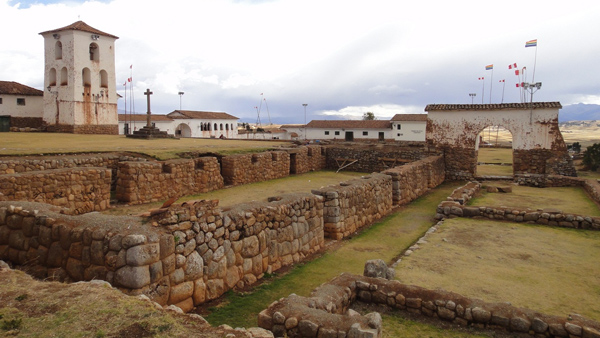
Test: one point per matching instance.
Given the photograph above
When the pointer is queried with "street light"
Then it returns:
(180, 95)
(305, 104)
(472, 95)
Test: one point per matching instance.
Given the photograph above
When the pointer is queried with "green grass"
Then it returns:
(547, 269)
(568, 199)
(397, 326)
(57, 143)
(384, 240)
(494, 170)
(495, 155)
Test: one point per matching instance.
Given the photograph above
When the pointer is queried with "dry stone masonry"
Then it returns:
(414, 179)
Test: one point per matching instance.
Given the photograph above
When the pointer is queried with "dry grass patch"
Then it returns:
(568, 199)
(53, 143)
(494, 170)
(495, 155)
(551, 270)
(30, 308)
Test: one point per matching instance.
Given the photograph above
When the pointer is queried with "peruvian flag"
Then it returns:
(518, 85)
(514, 65)
(501, 81)
(516, 72)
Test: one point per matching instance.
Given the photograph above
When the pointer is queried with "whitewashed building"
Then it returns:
(409, 127)
(80, 93)
(24, 105)
(185, 123)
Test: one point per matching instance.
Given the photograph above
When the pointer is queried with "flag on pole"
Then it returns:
(131, 67)
(489, 67)
(481, 78)
(500, 80)
(516, 72)
(514, 65)
(531, 43)
(518, 85)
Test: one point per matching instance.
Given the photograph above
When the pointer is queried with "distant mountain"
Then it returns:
(579, 112)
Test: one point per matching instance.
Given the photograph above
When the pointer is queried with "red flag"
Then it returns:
(129, 79)
(125, 84)
(481, 78)
(501, 81)
(516, 72)
(515, 65)
(509, 66)
(131, 67)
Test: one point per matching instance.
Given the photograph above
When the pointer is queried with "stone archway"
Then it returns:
(538, 145)
(183, 130)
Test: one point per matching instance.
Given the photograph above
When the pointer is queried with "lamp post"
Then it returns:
(305, 104)
(180, 95)
(531, 88)
(472, 95)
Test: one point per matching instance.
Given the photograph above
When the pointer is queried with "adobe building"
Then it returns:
(20, 106)
(80, 93)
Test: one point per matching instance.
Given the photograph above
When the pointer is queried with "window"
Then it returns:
(337, 133)
(365, 133)
(400, 134)
(52, 77)
(94, 52)
(58, 50)
(103, 79)
(86, 77)
(20, 102)
(0, 100)
(326, 132)
(64, 77)
(399, 126)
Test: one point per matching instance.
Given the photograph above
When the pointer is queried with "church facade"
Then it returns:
(80, 93)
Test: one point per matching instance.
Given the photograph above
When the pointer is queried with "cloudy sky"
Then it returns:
(341, 57)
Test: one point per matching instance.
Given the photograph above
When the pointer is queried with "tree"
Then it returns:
(576, 147)
(369, 116)
(591, 157)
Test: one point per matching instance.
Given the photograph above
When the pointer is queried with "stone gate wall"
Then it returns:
(144, 182)
(80, 190)
(308, 158)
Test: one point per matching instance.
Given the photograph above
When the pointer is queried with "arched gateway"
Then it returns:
(538, 145)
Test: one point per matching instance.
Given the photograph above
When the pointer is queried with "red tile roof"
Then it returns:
(15, 88)
(142, 118)
(80, 26)
(350, 124)
(201, 115)
(410, 117)
(494, 106)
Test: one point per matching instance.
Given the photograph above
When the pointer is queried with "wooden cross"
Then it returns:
(148, 119)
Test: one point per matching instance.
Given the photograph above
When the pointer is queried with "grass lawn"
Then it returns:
(385, 240)
(259, 191)
(551, 270)
(494, 170)
(495, 155)
(56, 143)
(568, 199)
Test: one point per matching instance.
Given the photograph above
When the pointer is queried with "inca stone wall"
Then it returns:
(143, 182)
(415, 179)
(307, 158)
(11, 165)
(325, 313)
(251, 168)
(355, 204)
(373, 158)
(80, 190)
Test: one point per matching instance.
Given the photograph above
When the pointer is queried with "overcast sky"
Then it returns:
(341, 57)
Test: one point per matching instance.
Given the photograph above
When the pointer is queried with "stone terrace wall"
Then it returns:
(414, 179)
(143, 182)
(454, 207)
(250, 168)
(80, 190)
(374, 158)
(195, 253)
(11, 165)
(355, 204)
(460, 163)
(324, 313)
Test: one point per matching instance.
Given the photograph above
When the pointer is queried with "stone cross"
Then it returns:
(148, 120)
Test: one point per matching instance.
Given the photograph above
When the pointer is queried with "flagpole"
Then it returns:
(503, 85)
(126, 120)
(491, 84)
(534, 62)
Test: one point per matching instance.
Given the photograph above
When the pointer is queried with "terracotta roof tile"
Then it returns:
(15, 88)
(202, 115)
(494, 106)
(351, 124)
(80, 26)
(409, 117)
(142, 118)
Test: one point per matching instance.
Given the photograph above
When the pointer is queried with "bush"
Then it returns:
(591, 157)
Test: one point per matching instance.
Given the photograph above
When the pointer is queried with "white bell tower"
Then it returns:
(80, 93)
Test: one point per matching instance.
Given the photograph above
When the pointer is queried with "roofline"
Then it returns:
(494, 106)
